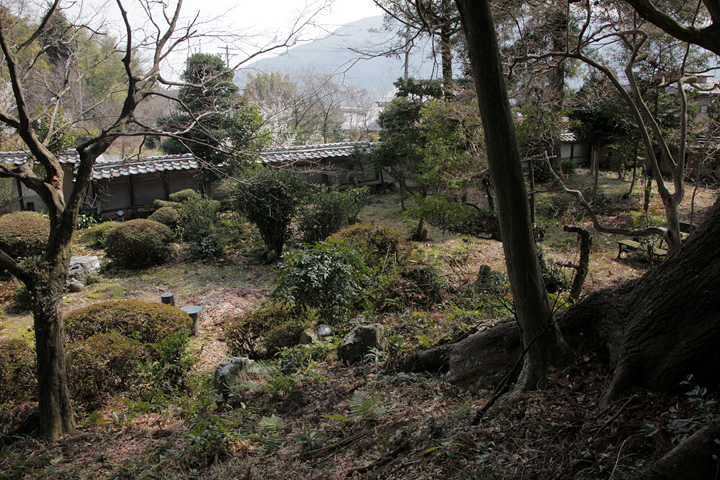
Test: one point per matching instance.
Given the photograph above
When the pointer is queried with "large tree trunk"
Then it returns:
(654, 331)
(539, 334)
(56, 416)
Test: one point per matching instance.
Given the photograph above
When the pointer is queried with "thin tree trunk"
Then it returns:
(634, 171)
(584, 262)
(539, 334)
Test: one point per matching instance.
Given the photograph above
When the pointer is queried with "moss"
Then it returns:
(24, 234)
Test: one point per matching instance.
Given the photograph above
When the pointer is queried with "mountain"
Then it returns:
(338, 54)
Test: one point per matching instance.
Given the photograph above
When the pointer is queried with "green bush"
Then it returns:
(147, 322)
(269, 198)
(97, 236)
(328, 212)
(380, 245)
(183, 196)
(452, 216)
(24, 234)
(261, 333)
(167, 216)
(139, 243)
(103, 365)
(198, 215)
(325, 277)
(130, 344)
(17, 371)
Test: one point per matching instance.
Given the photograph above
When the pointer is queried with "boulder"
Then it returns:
(323, 330)
(359, 340)
(81, 267)
(230, 373)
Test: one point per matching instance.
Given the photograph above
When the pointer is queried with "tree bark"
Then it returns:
(56, 415)
(583, 264)
(532, 306)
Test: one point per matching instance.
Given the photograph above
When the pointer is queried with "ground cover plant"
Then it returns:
(304, 414)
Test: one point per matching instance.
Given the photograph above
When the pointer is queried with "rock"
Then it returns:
(81, 267)
(294, 402)
(75, 286)
(308, 337)
(323, 330)
(231, 373)
(361, 339)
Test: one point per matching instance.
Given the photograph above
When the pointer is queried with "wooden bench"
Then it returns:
(627, 245)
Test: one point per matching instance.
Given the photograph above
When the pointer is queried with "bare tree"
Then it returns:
(22, 55)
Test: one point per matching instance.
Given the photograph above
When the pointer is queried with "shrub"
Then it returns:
(328, 212)
(24, 234)
(97, 236)
(379, 245)
(102, 365)
(261, 333)
(17, 370)
(268, 198)
(147, 322)
(167, 216)
(183, 196)
(139, 243)
(127, 344)
(198, 215)
(325, 277)
(452, 216)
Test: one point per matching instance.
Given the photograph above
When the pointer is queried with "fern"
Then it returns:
(364, 406)
(269, 430)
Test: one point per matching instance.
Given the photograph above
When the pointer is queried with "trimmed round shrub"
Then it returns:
(24, 234)
(17, 370)
(183, 196)
(126, 345)
(147, 322)
(167, 216)
(103, 365)
(379, 244)
(261, 333)
(139, 243)
(97, 236)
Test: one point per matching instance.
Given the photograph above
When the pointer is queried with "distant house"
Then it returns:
(132, 185)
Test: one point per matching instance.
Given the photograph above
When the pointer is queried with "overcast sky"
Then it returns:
(243, 26)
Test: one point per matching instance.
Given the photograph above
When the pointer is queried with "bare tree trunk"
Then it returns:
(634, 171)
(595, 167)
(539, 335)
(584, 262)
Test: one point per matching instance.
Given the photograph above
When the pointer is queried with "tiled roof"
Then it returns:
(162, 163)
(568, 137)
(106, 168)
(312, 152)
(68, 157)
